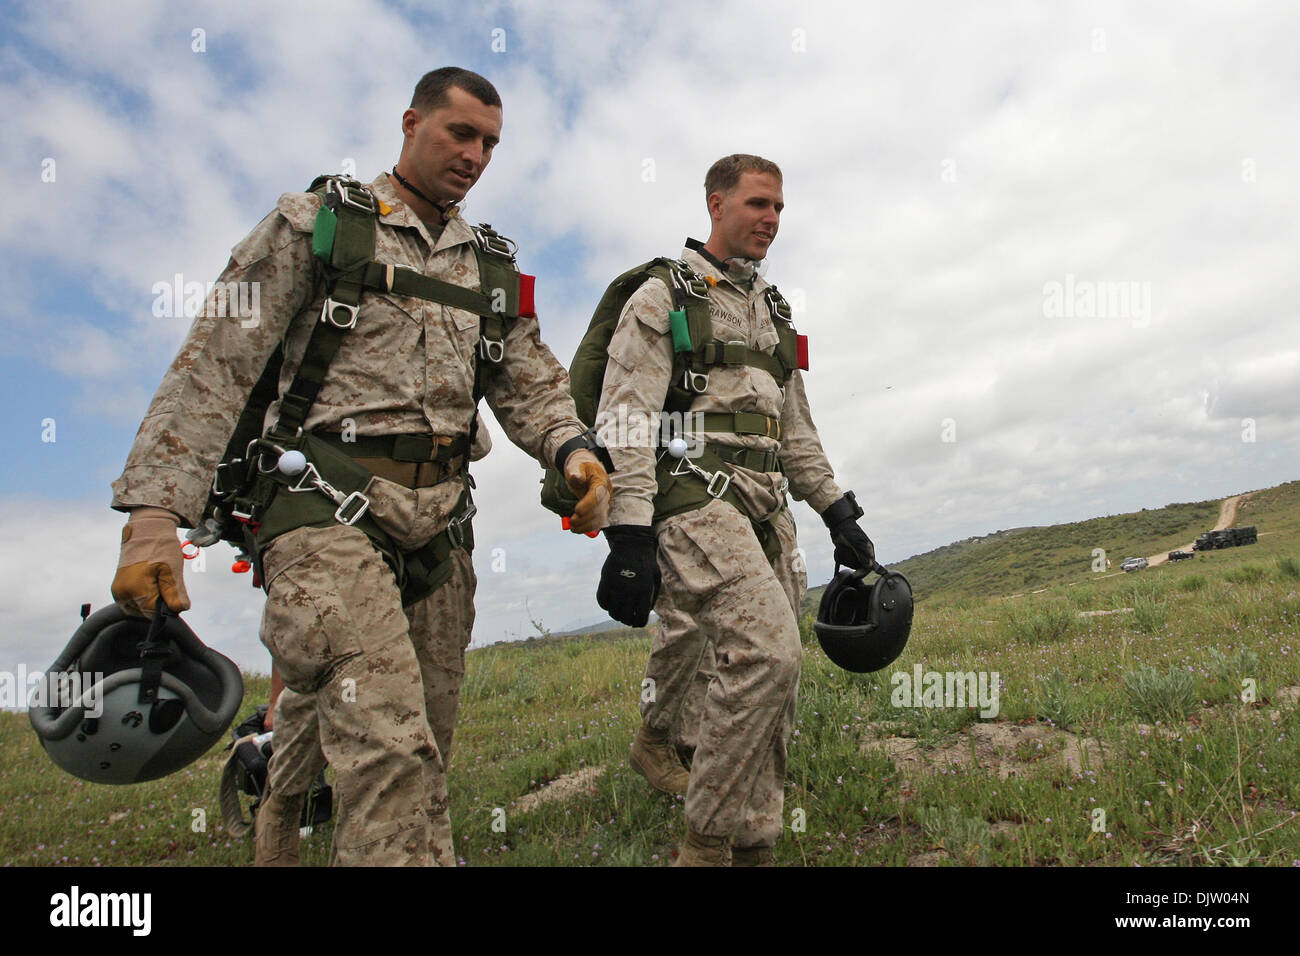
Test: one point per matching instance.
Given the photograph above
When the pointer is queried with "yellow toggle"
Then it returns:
(384, 208)
(711, 281)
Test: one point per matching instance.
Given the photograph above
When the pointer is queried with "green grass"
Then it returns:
(1184, 772)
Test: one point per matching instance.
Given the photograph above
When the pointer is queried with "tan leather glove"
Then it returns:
(150, 564)
(587, 480)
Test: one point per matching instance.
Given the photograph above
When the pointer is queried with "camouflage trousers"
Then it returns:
(723, 603)
(372, 687)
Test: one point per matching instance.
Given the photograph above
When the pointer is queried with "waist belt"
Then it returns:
(755, 459)
(412, 461)
(407, 448)
(739, 423)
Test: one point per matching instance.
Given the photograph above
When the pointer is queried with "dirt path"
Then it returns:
(1227, 518)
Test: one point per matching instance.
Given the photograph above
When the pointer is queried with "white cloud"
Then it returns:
(942, 165)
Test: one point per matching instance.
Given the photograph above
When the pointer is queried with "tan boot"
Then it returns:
(277, 830)
(700, 850)
(752, 856)
(654, 758)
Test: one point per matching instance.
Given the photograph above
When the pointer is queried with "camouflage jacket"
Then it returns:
(636, 383)
(407, 367)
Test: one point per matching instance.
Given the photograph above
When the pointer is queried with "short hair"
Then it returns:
(724, 175)
(431, 91)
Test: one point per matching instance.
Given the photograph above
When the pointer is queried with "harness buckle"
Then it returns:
(346, 192)
(246, 517)
(454, 531)
(218, 489)
(493, 243)
(327, 314)
(352, 508)
(494, 350)
(718, 484)
(695, 287)
(697, 382)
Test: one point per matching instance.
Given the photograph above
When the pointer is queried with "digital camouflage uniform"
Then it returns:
(385, 679)
(719, 590)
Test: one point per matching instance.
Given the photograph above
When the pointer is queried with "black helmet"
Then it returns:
(149, 697)
(863, 627)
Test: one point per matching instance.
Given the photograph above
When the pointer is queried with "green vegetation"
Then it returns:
(1178, 720)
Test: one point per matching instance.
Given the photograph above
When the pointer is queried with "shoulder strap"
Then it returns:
(343, 242)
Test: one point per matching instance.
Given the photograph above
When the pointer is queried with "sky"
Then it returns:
(1045, 254)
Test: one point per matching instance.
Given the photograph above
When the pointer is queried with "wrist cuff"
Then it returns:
(846, 509)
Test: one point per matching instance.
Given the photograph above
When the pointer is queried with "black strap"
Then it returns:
(154, 651)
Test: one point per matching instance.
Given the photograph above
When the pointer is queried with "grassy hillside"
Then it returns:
(1121, 737)
(1020, 559)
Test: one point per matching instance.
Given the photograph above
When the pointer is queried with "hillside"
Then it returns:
(1019, 559)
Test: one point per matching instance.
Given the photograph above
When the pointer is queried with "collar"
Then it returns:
(742, 277)
(454, 231)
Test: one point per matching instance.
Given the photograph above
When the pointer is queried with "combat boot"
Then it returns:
(654, 758)
(700, 850)
(752, 856)
(277, 820)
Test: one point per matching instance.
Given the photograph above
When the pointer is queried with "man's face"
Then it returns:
(747, 218)
(448, 148)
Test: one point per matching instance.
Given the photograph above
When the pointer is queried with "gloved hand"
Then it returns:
(853, 548)
(586, 478)
(629, 581)
(150, 564)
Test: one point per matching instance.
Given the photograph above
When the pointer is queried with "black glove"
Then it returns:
(853, 548)
(629, 581)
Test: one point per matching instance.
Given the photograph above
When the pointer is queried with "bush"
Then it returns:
(1193, 582)
(1040, 624)
(1232, 667)
(1056, 701)
(1288, 568)
(1246, 574)
(1169, 696)
(1149, 614)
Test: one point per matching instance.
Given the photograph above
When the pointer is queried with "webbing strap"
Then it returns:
(735, 353)
(755, 459)
(402, 281)
(350, 208)
(409, 448)
(740, 423)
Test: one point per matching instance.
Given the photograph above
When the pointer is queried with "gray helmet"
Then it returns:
(863, 627)
(148, 697)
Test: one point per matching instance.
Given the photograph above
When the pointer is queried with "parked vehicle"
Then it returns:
(1134, 564)
(1181, 555)
(1227, 538)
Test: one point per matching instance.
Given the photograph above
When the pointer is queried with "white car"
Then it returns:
(1134, 564)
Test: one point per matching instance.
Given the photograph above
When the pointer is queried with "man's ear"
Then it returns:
(715, 206)
(409, 119)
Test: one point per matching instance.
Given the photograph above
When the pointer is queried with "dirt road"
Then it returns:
(1227, 518)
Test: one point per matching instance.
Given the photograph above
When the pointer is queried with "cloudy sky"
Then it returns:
(1045, 254)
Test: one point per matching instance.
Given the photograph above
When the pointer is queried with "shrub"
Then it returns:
(1149, 614)
(1169, 696)
(1056, 701)
(1040, 624)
